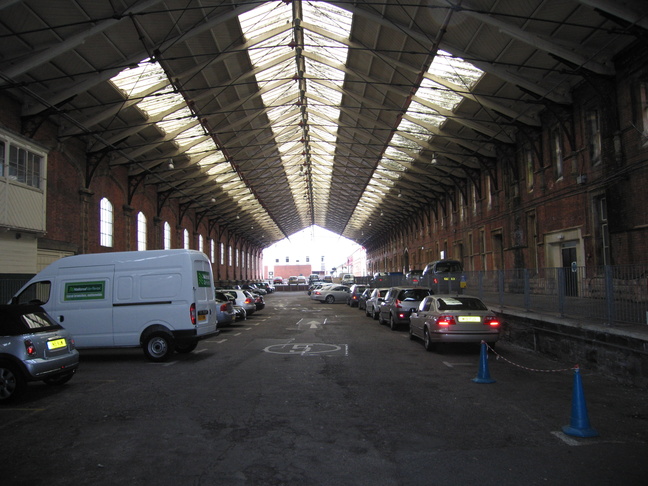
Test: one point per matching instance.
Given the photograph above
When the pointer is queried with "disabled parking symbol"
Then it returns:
(306, 349)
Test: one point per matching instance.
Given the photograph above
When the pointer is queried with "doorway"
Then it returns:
(570, 269)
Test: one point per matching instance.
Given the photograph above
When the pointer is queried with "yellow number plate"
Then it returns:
(469, 319)
(56, 344)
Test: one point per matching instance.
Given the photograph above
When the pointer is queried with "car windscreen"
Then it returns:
(414, 294)
(448, 267)
(461, 303)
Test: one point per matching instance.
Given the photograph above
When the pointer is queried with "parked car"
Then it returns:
(444, 276)
(293, 280)
(317, 286)
(313, 278)
(243, 299)
(413, 277)
(259, 301)
(277, 280)
(379, 279)
(254, 288)
(241, 314)
(267, 287)
(362, 300)
(225, 313)
(347, 279)
(399, 303)
(453, 319)
(355, 293)
(301, 280)
(331, 294)
(374, 301)
(327, 279)
(33, 347)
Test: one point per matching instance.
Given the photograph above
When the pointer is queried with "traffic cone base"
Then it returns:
(579, 425)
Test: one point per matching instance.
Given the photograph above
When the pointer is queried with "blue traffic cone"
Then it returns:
(580, 424)
(483, 375)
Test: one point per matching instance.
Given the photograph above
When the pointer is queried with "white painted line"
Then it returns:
(452, 365)
(566, 439)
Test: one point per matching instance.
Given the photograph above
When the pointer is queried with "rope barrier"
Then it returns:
(500, 357)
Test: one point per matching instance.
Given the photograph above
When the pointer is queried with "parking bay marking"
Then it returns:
(452, 365)
(310, 324)
(307, 349)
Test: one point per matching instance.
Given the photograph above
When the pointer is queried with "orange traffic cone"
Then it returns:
(580, 424)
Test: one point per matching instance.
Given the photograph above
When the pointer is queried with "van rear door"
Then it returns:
(204, 295)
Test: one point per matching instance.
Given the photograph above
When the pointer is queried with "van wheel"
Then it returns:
(12, 382)
(187, 347)
(158, 346)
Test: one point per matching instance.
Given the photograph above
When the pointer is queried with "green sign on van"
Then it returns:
(84, 290)
(203, 279)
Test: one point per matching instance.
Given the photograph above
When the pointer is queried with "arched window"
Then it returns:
(222, 254)
(166, 237)
(141, 231)
(105, 223)
(186, 239)
(200, 243)
(212, 250)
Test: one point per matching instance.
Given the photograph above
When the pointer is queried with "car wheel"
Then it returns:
(392, 323)
(427, 342)
(187, 347)
(374, 314)
(411, 334)
(158, 346)
(61, 379)
(330, 299)
(12, 382)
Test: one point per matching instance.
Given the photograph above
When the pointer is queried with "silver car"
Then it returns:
(373, 302)
(225, 313)
(33, 347)
(242, 298)
(332, 294)
(453, 319)
(399, 303)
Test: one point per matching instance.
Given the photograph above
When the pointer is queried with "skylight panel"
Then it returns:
(270, 49)
(264, 18)
(318, 70)
(427, 115)
(455, 70)
(137, 80)
(176, 120)
(404, 143)
(413, 129)
(437, 94)
(336, 20)
(325, 47)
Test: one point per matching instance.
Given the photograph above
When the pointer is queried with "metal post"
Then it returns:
(500, 287)
(609, 295)
(561, 291)
(527, 290)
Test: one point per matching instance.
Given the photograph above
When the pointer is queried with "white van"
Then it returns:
(161, 300)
